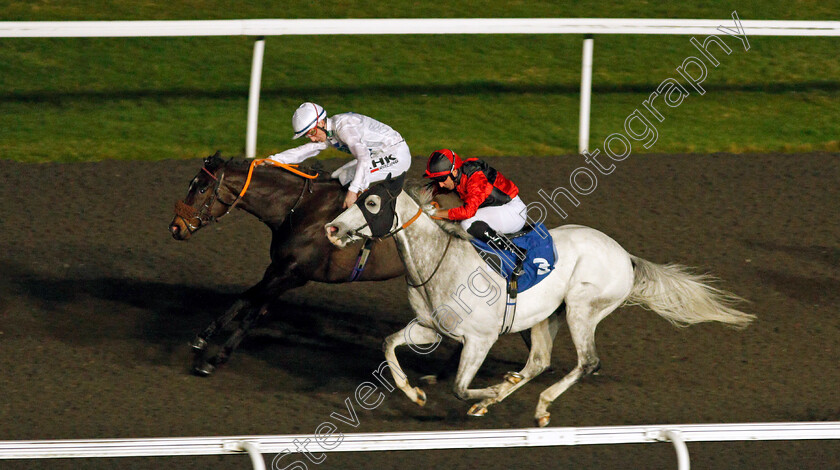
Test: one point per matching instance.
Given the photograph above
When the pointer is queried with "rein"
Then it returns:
(186, 212)
(268, 161)
(440, 261)
(389, 234)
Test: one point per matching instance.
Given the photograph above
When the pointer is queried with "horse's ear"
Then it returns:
(394, 184)
(213, 161)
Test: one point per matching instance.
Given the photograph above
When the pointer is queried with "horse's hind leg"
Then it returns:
(416, 334)
(582, 320)
(554, 323)
(539, 358)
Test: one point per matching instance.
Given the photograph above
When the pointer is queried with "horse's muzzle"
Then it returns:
(337, 235)
(179, 229)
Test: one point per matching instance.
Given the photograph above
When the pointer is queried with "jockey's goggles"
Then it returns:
(439, 179)
(440, 165)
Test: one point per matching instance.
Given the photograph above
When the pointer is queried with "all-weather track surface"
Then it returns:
(98, 303)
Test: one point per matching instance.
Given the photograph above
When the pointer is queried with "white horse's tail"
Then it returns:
(681, 297)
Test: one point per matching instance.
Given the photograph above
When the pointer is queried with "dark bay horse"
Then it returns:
(295, 206)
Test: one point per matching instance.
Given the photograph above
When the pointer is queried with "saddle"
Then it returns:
(539, 258)
(536, 244)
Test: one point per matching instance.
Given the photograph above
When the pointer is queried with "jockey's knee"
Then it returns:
(478, 228)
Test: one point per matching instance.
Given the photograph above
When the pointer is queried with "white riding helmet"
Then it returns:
(306, 117)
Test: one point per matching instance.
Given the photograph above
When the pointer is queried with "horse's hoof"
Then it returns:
(198, 344)
(514, 377)
(543, 421)
(477, 410)
(429, 379)
(204, 369)
(219, 359)
(421, 397)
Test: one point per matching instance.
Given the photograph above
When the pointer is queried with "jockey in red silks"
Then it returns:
(492, 206)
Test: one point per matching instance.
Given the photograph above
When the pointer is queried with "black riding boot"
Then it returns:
(483, 232)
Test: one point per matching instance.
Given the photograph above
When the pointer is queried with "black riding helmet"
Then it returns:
(441, 163)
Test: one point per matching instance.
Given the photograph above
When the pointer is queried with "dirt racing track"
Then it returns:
(98, 303)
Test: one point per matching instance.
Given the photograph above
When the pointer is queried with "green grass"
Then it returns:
(158, 98)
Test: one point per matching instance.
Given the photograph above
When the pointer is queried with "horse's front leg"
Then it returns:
(200, 342)
(201, 366)
(413, 334)
(248, 322)
(541, 339)
(475, 351)
(255, 302)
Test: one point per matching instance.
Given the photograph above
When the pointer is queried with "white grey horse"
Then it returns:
(592, 276)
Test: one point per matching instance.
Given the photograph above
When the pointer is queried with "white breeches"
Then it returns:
(507, 218)
(393, 161)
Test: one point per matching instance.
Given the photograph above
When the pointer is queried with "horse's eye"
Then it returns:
(202, 190)
(371, 203)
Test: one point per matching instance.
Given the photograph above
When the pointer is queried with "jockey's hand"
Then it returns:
(441, 214)
(349, 199)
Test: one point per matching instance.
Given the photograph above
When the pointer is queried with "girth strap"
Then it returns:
(361, 260)
(510, 302)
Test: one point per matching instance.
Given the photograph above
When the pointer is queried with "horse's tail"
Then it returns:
(681, 297)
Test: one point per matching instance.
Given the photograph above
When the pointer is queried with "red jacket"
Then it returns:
(479, 185)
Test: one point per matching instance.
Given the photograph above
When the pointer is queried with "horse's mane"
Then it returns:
(423, 193)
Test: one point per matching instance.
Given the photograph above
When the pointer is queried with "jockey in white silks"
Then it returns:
(378, 149)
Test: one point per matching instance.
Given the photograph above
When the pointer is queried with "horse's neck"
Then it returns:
(270, 196)
(422, 244)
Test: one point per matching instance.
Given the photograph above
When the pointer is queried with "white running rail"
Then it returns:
(280, 27)
(678, 434)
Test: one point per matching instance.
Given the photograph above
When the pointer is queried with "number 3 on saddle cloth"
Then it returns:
(540, 257)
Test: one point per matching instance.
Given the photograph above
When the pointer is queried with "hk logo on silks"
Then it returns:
(543, 266)
(382, 162)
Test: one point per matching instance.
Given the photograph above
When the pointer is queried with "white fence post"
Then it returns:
(585, 93)
(675, 437)
(254, 452)
(355, 26)
(254, 98)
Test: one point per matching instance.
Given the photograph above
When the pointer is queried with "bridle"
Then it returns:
(193, 219)
(394, 223)
(204, 215)
(393, 231)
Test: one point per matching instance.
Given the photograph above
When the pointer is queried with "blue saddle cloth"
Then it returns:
(538, 263)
